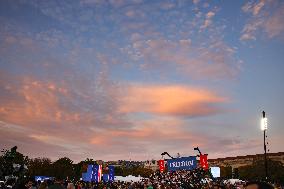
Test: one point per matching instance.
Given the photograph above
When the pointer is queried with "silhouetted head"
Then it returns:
(258, 185)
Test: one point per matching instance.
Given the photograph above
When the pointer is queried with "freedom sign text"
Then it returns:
(186, 163)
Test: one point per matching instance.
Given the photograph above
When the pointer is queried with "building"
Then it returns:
(238, 161)
(125, 163)
(152, 164)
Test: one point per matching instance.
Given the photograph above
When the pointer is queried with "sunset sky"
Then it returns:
(118, 79)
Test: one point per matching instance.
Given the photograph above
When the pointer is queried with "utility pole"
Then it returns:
(264, 128)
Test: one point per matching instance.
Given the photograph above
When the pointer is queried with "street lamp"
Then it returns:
(264, 128)
(263, 124)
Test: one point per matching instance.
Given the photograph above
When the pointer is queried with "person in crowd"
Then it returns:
(43, 185)
(56, 185)
(2, 185)
(181, 179)
(258, 185)
(70, 185)
(31, 184)
(10, 183)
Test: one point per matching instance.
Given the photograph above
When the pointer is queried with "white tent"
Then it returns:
(233, 181)
(128, 178)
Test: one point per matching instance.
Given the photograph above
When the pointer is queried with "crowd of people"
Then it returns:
(182, 179)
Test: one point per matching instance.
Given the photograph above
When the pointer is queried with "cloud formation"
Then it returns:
(47, 114)
(105, 79)
(30, 102)
(263, 20)
(208, 20)
(214, 61)
(171, 100)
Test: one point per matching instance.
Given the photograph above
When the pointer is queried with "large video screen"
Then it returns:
(215, 171)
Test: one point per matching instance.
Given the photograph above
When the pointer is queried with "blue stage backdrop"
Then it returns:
(95, 173)
(88, 175)
(186, 163)
(111, 173)
(105, 177)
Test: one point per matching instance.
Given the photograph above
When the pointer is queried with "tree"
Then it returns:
(12, 162)
(82, 166)
(40, 167)
(135, 171)
(144, 172)
(2, 170)
(79, 168)
(63, 168)
(118, 171)
(226, 172)
(256, 171)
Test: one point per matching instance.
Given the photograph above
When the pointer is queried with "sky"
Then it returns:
(130, 79)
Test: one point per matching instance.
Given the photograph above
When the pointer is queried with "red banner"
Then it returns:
(204, 161)
(161, 165)
(100, 173)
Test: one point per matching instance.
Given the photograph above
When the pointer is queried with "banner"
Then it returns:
(161, 165)
(100, 173)
(184, 163)
(105, 177)
(96, 173)
(84, 177)
(204, 162)
(88, 175)
(111, 173)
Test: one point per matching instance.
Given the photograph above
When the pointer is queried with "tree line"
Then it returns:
(65, 167)
(256, 171)
(14, 163)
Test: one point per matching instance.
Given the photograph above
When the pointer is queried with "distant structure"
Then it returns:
(125, 163)
(234, 162)
(151, 164)
(238, 161)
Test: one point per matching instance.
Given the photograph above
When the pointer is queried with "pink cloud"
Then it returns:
(27, 101)
(171, 100)
(146, 140)
(38, 113)
(146, 137)
(274, 25)
(216, 60)
(149, 138)
(208, 20)
(57, 98)
(167, 5)
(254, 8)
(130, 13)
(39, 102)
(34, 143)
(196, 1)
(264, 20)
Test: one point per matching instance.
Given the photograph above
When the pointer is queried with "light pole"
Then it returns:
(202, 159)
(197, 149)
(264, 128)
